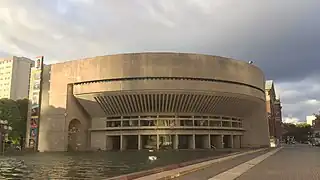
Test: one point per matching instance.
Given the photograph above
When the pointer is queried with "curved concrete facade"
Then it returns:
(174, 100)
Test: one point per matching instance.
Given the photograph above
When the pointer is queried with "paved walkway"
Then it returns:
(219, 167)
(293, 162)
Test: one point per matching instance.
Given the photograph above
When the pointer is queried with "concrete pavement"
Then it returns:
(194, 167)
(293, 162)
(220, 167)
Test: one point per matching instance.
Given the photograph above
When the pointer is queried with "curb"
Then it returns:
(206, 161)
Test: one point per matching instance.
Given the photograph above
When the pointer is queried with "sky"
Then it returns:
(281, 37)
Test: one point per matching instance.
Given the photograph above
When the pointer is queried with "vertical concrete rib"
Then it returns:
(210, 105)
(100, 104)
(205, 104)
(110, 103)
(180, 103)
(199, 103)
(152, 104)
(173, 102)
(117, 103)
(188, 102)
(148, 103)
(145, 103)
(141, 102)
(126, 104)
(122, 103)
(137, 101)
(167, 102)
(131, 103)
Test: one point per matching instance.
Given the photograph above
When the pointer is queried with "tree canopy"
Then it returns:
(299, 131)
(317, 115)
(16, 112)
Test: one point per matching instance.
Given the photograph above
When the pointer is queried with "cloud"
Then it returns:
(281, 37)
(291, 120)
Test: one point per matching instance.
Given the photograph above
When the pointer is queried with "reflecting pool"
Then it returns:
(90, 165)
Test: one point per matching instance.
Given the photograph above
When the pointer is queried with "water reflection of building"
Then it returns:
(154, 100)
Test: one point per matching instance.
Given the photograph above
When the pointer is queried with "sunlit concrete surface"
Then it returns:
(153, 101)
(293, 162)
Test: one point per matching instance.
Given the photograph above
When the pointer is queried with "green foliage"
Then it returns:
(299, 131)
(317, 115)
(16, 113)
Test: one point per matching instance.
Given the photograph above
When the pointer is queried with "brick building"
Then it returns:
(273, 110)
(278, 118)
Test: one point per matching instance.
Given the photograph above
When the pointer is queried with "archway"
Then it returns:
(74, 135)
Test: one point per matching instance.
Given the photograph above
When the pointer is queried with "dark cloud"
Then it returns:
(281, 37)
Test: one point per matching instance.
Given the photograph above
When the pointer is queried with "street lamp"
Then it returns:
(4, 129)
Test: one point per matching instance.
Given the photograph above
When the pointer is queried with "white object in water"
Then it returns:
(150, 150)
(153, 158)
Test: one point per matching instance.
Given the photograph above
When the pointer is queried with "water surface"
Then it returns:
(90, 165)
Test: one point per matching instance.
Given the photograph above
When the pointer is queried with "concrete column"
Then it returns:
(109, 145)
(231, 141)
(217, 141)
(158, 142)
(123, 143)
(206, 142)
(139, 142)
(209, 141)
(193, 141)
(236, 141)
(176, 142)
(221, 141)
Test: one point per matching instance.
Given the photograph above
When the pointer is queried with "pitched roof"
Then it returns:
(268, 84)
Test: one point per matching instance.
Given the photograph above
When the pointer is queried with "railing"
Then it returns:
(171, 122)
(166, 128)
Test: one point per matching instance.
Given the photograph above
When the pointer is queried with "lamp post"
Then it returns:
(4, 130)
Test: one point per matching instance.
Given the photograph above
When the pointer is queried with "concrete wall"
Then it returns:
(141, 65)
(20, 77)
(256, 128)
(163, 64)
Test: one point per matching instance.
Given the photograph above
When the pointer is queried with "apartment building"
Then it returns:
(14, 77)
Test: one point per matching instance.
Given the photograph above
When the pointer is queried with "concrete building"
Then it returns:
(34, 99)
(315, 124)
(310, 120)
(14, 77)
(153, 100)
(278, 119)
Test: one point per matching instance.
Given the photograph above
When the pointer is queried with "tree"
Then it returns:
(299, 131)
(16, 113)
(23, 105)
(317, 115)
